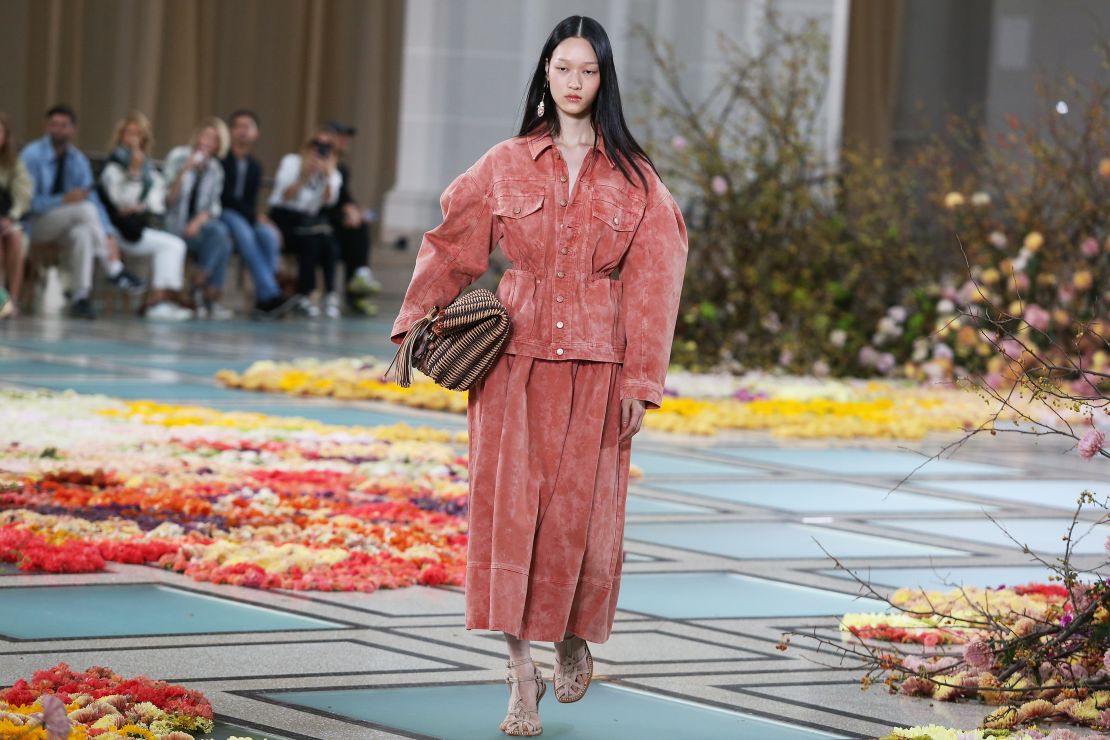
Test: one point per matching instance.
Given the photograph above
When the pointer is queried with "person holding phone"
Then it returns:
(305, 185)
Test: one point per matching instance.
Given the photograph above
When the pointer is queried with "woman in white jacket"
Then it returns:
(133, 189)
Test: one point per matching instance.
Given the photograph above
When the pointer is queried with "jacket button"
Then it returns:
(616, 220)
(559, 351)
(563, 178)
(563, 203)
(563, 250)
(517, 210)
(558, 324)
(559, 298)
(560, 273)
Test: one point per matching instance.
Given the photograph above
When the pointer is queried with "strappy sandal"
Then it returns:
(517, 721)
(568, 689)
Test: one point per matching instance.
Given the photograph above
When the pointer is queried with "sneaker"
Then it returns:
(331, 306)
(361, 306)
(82, 309)
(275, 308)
(305, 307)
(219, 312)
(7, 306)
(200, 303)
(363, 283)
(168, 311)
(128, 282)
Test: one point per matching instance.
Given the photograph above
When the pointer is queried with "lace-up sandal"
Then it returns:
(573, 677)
(517, 721)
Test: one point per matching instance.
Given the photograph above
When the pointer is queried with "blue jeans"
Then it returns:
(258, 245)
(212, 249)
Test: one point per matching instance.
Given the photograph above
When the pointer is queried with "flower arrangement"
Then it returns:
(60, 702)
(227, 498)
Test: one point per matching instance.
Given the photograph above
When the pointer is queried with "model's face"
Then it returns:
(208, 141)
(132, 136)
(60, 129)
(244, 131)
(573, 76)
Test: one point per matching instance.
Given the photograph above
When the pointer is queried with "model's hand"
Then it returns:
(75, 196)
(352, 217)
(5, 225)
(632, 416)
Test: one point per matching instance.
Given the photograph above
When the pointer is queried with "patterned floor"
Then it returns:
(726, 540)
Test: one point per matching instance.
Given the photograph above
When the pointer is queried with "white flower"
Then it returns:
(838, 337)
(980, 199)
(997, 239)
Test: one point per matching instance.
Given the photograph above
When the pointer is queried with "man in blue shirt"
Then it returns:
(66, 210)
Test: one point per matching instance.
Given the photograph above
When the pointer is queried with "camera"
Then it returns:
(323, 148)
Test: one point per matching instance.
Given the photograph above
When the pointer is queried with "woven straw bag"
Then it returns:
(457, 345)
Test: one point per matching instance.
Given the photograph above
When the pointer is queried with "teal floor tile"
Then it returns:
(657, 463)
(629, 557)
(853, 461)
(1041, 535)
(817, 496)
(1056, 493)
(70, 347)
(472, 712)
(644, 505)
(36, 369)
(941, 578)
(775, 540)
(326, 414)
(133, 389)
(135, 609)
(730, 596)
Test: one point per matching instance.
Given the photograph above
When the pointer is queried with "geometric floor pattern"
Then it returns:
(726, 548)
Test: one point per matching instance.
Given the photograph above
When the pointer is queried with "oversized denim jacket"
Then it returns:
(561, 295)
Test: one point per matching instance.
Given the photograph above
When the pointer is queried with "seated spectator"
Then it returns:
(15, 199)
(305, 184)
(132, 191)
(196, 183)
(66, 210)
(352, 231)
(256, 239)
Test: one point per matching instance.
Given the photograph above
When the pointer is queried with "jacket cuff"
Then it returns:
(643, 390)
(402, 324)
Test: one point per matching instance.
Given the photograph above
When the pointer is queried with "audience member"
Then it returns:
(66, 210)
(352, 231)
(15, 198)
(256, 239)
(132, 189)
(305, 184)
(196, 183)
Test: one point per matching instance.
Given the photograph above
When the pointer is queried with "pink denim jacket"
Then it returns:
(560, 293)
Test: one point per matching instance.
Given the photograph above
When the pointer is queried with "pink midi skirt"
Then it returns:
(548, 481)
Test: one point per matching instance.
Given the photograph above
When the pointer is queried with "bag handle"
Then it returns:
(403, 358)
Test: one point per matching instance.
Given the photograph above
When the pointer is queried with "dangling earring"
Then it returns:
(539, 108)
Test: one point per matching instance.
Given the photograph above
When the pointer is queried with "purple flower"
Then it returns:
(885, 363)
(718, 185)
(1089, 247)
(54, 717)
(1037, 317)
(1091, 443)
(679, 143)
(978, 654)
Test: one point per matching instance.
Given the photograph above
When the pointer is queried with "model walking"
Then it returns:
(573, 200)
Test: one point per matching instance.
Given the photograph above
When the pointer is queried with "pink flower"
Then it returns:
(679, 143)
(718, 185)
(1091, 443)
(978, 654)
(1037, 317)
(1089, 247)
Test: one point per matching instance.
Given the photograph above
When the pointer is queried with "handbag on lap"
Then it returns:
(457, 345)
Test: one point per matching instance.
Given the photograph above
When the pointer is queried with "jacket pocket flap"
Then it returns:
(518, 206)
(620, 218)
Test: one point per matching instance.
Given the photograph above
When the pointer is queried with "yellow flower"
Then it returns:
(1104, 167)
(1034, 240)
(1082, 280)
(953, 200)
(990, 276)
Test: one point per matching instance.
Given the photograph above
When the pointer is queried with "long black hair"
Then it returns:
(607, 116)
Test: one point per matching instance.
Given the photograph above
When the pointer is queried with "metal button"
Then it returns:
(563, 250)
(559, 298)
(563, 178)
(558, 324)
(616, 220)
(563, 203)
(516, 210)
(559, 351)
(560, 273)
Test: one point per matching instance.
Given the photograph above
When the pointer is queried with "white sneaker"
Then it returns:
(331, 306)
(306, 308)
(219, 312)
(168, 311)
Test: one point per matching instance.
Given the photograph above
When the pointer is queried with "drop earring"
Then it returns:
(539, 108)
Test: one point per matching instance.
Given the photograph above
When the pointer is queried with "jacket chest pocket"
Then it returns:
(521, 217)
(611, 228)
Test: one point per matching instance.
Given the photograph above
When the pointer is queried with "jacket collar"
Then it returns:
(537, 143)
